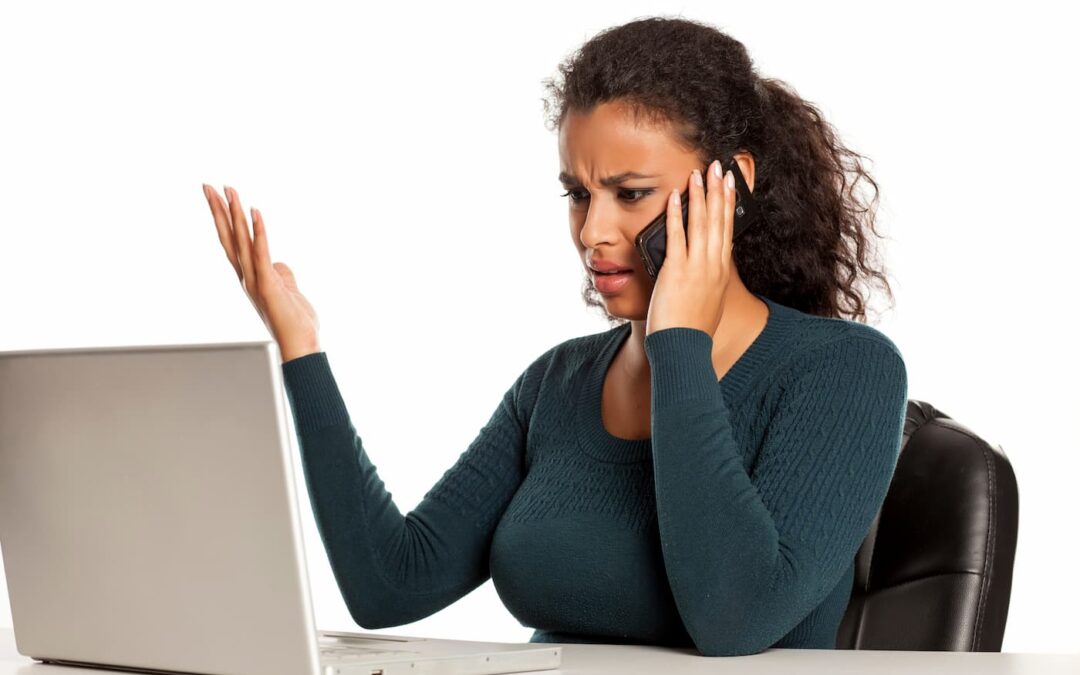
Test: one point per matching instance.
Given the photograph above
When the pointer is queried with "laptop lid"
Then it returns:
(141, 514)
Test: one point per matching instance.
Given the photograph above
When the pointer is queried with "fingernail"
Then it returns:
(228, 194)
(697, 177)
(730, 180)
(716, 168)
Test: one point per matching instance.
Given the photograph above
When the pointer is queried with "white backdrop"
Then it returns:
(406, 136)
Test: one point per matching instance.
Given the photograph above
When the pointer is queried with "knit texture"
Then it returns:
(731, 529)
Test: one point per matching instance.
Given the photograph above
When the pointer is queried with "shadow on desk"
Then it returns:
(592, 659)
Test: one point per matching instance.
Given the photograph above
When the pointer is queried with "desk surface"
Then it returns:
(581, 659)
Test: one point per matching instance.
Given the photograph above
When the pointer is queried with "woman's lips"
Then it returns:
(609, 284)
(601, 265)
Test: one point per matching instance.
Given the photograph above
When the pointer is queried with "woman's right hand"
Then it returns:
(271, 288)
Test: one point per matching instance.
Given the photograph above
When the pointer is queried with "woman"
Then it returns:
(699, 475)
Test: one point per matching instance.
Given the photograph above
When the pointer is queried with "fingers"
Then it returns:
(676, 238)
(242, 238)
(263, 272)
(715, 199)
(698, 228)
(729, 217)
(224, 227)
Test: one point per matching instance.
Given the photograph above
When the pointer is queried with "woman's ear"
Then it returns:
(746, 165)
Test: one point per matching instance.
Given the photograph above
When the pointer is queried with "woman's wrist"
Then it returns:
(292, 352)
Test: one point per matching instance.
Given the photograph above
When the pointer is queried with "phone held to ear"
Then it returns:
(651, 242)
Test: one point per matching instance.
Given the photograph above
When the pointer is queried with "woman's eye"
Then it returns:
(639, 194)
(635, 195)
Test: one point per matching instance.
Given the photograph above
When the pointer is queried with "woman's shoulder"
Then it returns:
(581, 346)
(568, 356)
(830, 348)
(816, 337)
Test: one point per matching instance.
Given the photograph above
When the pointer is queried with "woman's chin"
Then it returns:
(628, 302)
(623, 307)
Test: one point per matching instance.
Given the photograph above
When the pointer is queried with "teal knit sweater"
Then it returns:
(732, 529)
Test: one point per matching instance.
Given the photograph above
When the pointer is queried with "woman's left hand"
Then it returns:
(691, 284)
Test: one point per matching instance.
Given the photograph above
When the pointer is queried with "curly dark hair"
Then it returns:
(702, 83)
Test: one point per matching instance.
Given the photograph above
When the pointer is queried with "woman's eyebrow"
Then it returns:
(570, 180)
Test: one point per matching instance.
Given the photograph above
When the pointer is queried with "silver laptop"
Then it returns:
(149, 521)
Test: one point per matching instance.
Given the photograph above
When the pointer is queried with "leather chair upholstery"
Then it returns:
(935, 570)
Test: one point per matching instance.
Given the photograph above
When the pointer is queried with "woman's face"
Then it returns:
(605, 144)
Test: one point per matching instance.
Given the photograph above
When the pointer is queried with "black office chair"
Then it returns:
(935, 571)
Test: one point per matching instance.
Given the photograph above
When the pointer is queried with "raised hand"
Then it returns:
(271, 287)
(690, 287)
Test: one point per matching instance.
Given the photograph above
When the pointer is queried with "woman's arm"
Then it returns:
(395, 569)
(748, 558)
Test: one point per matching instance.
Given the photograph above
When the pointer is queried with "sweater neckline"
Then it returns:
(597, 442)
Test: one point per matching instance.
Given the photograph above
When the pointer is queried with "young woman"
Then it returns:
(702, 473)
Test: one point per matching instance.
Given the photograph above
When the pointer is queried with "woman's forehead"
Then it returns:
(599, 145)
(603, 135)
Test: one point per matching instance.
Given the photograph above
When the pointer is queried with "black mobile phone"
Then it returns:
(651, 242)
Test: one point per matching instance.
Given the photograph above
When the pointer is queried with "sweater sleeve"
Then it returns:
(748, 558)
(394, 569)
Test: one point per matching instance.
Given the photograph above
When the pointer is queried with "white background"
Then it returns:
(399, 156)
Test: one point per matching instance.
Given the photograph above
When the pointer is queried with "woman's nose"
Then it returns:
(602, 225)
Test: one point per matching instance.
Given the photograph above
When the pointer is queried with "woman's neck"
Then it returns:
(745, 316)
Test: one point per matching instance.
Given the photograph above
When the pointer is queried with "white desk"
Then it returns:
(629, 659)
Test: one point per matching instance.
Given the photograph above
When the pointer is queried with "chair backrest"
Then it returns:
(935, 570)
